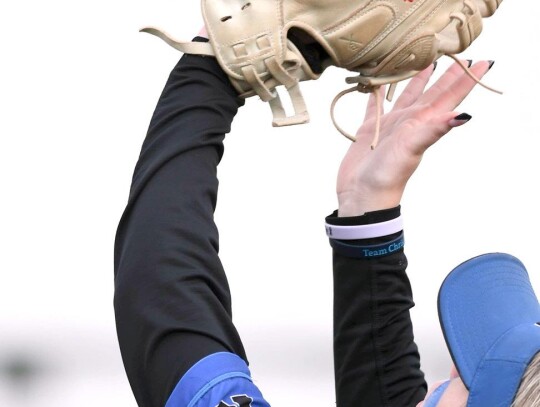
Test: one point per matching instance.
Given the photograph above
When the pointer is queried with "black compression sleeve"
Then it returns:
(172, 300)
(376, 360)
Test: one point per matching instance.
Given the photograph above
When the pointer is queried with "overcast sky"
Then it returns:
(78, 85)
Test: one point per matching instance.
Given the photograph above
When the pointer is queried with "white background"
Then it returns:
(78, 85)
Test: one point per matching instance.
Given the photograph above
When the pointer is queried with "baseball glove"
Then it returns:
(262, 44)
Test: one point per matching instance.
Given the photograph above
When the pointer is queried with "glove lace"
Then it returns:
(372, 85)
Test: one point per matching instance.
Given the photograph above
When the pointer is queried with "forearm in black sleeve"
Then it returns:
(172, 300)
(377, 363)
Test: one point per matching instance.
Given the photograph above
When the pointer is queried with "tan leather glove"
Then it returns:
(260, 44)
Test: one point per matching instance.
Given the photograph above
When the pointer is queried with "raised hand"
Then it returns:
(371, 180)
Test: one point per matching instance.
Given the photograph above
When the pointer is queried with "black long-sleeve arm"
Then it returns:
(172, 300)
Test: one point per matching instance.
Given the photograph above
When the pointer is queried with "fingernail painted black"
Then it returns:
(465, 117)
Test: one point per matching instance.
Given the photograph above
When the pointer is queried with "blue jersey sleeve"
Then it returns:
(219, 380)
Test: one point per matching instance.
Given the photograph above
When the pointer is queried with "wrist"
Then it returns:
(354, 203)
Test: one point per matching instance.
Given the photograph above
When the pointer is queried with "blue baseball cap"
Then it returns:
(490, 317)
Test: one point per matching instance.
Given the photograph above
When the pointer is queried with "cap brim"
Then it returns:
(479, 301)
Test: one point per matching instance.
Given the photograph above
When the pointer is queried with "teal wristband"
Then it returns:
(368, 251)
